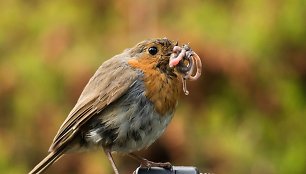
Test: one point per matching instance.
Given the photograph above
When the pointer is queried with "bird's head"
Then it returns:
(155, 54)
(164, 58)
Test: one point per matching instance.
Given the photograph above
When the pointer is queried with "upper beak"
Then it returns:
(169, 53)
(176, 43)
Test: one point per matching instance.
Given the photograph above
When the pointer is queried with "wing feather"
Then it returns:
(110, 82)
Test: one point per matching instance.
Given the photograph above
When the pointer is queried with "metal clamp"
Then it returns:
(174, 170)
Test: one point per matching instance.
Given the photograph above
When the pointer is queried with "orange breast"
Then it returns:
(161, 90)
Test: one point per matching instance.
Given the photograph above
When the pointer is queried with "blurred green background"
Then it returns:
(246, 114)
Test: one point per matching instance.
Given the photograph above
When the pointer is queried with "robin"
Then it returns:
(127, 104)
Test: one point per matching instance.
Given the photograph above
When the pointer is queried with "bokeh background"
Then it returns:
(246, 114)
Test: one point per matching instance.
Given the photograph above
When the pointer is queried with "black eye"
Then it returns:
(152, 50)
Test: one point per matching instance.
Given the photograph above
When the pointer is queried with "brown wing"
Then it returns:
(113, 78)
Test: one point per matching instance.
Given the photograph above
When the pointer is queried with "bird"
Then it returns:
(125, 107)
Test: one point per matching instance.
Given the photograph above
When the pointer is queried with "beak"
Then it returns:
(169, 53)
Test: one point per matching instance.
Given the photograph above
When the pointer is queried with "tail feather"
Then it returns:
(47, 161)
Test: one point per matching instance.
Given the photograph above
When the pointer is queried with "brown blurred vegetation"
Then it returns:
(245, 115)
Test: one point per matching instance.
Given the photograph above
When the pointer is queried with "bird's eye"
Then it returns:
(153, 50)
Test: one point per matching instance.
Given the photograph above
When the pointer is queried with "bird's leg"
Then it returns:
(110, 158)
(148, 164)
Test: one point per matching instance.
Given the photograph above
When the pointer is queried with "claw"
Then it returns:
(144, 163)
(149, 164)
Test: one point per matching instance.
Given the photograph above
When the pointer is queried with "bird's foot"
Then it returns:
(144, 163)
(148, 164)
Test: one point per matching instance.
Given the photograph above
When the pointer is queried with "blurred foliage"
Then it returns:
(245, 114)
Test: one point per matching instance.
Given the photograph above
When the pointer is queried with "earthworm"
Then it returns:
(195, 58)
(179, 57)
